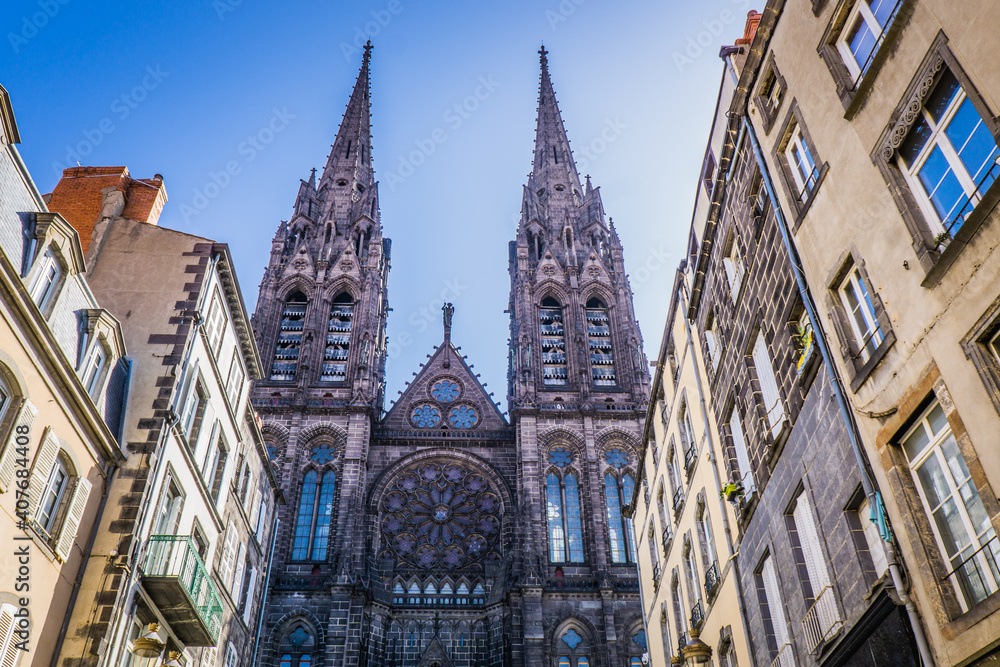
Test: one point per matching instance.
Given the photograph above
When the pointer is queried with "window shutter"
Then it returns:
(228, 555)
(819, 577)
(9, 459)
(9, 652)
(208, 657)
(44, 461)
(768, 385)
(742, 453)
(772, 592)
(232, 658)
(73, 517)
(248, 609)
(255, 510)
(239, 571)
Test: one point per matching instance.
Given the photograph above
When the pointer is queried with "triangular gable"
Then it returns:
(445, 395)
(435, 656)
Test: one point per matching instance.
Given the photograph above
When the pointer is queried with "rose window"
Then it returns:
(425, 416)
(463, 417)
(616, 458)
(445, 390)
(322, 454)
(441, 514)
(560, 457)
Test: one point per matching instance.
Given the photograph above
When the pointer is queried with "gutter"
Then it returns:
(267, 587)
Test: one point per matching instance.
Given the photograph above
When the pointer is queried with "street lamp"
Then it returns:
(696, 652)
(149, 644)
(173, 660)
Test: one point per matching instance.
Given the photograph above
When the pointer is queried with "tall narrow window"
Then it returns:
(10, 652)
(602, 360)
(214, 465)
(712, 341)
(286, 352)
(680, 618)
(303, 522)
(565, 521)
(768, 385)
(553, 343)
(732, 262)
(949, 157)
(772, 609)
(338, 339)
(822, 618)
(686, 430)
(691, 571)
(93, 369)
(654, 556)
(46, 280)
(959, 521)
(860, 311)
(706, 544)
(742, 452)
(801, 163)
(52, 496)
(324, 512)
(863, 33)
(620, 529)
(873, 539)
(234, 383)
(215, 323)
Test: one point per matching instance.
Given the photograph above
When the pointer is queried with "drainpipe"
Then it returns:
(83, 565)
(838, 391)
(267, 585)
(682, 293)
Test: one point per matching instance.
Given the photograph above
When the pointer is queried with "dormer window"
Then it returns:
(46, 281)
(93, 369)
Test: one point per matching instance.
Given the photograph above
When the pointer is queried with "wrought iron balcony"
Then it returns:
(180, 586)
(678, 500)
(712, 578)
(656, 573)
(785, 657)
(822, 619)
(697, 615)
(690, 457)
(667, 537)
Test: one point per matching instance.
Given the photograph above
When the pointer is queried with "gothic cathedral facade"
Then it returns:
(443, 532)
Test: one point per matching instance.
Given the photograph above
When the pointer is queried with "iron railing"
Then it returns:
(971, 575)
(697, 615)
(955, 222)
(785, 657)
(822, 619)
(177, 557)
(678, 500)
(711, 578)
(878, 45)
(809, 184)
(690, 457)
(656, 573)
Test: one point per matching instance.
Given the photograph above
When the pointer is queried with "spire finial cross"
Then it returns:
(543, 56)
(368, 50)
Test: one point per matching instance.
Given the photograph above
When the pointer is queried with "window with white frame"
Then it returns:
(960, 523)
(773, 611)
(801, 164)
(6, 398)
(822, 619)
(232, 656)
(863, 33)
(93, 369)
(57, 496)
(52, 496)
(215, 323)
(712, 341)
(169, 514)
(860, 309)
(46, 280)
(873, 539)
(214, 464)
(742, 452)
(234, 383)
(773, 406)
(732, 262)
(949, 157)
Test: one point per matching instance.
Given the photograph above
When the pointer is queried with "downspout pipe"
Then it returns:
(682, 295)
(838, 390)
(267, 586)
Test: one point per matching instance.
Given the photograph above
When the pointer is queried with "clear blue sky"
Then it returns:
(176, 88)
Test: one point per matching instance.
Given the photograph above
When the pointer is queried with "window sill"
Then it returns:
(803, 207)
(869, 366)
(977, 613)
(966, 232)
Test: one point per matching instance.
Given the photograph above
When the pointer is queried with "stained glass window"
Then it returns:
(560, 457)
(322, 454)
(303, 522)
(564, 519)
(572, 638)
(445, 390)
(321, 536)
(425, 416)
(619, 528)
(462, 417)
(617, 458)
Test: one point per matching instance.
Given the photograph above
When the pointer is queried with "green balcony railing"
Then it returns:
(175, 557)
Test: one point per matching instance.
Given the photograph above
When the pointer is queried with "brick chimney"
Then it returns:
(750, 29)
(87, 195)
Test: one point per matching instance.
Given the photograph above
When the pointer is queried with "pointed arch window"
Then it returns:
(286, 351)
(338, 339)
(617, 494)
(312, 524)
(564, 519)
(602, 360)
(553, 343)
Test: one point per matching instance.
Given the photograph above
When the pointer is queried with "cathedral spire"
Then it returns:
(351, 156)
(553, 172)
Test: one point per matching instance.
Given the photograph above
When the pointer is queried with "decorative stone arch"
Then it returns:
(628, 648)
(607, 435)
(286, 625)
(550, 287)
(319, 431)
(599, 290)
(552, 436)
(340, 285)
(287, 286)
(275, 430)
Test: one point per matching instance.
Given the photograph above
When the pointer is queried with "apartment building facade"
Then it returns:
(884, 153)
(179, 568)
(63, 382)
